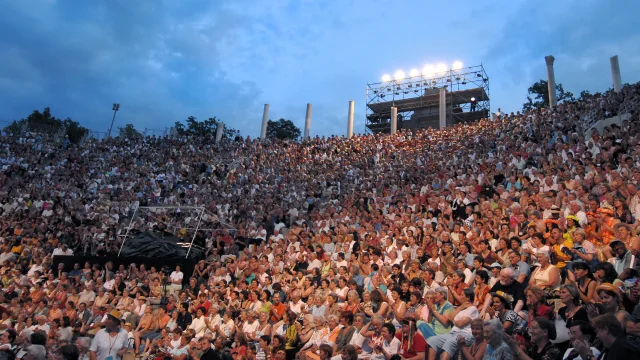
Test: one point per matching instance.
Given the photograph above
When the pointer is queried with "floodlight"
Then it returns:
(442, 67)
(428, 70)
(399, 75)
(414, 72)
(457, 65)
(473, 99)
(386, 78)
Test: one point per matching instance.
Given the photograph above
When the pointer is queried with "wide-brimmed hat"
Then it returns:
(608, 287)
(115, 315)
(617, 226)
(574, 218)
(506, 298)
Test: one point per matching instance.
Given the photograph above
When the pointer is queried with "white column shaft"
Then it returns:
(307, 123)
(394, 119)
(265, 120)
(443, 108)
(615, 73)
(219, 131)
(350, 119)
(551, 79)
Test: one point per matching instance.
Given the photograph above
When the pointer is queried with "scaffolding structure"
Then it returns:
(193, 219)
(417, 99)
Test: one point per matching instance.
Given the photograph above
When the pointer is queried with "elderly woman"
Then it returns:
(83, 344)
(318, 333)
(461, 318)
(546, 276)
(542, 331)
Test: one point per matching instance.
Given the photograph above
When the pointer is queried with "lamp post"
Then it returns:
(115, 109)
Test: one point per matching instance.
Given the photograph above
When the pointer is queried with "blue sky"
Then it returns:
(164, 60)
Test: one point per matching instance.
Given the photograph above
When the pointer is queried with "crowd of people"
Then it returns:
(503, 239)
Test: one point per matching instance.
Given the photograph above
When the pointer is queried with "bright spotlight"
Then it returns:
(414, 73)
(457, 65)
(473, 99)
(399, 75)
(428, 70)
(386, 78)
(440, 68)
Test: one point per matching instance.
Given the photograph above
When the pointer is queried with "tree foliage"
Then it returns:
(538, 96)
(207, 127)
(129, 132)
(45, 122)
(282, 129)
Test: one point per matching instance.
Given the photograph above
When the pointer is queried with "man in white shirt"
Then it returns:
(111, 342)
(296, 304)
(63, 250)
(7, 255)
(87, 295)
(176, 282)
(314, 263)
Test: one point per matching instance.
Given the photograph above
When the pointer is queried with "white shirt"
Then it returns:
(392, 348)
(594, 351)
(104, 345)
(470, 312)
(37, 327)
(199, 326)
(314, 264)
(297, 307)
(176, 276)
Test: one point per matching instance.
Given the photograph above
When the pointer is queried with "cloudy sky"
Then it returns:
(164, 60)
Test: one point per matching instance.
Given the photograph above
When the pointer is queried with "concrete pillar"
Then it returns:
(443, 108)
(307, 123)
(350, 119)
(551, 79)
(265, 120)
(219, 131)
(394, 119)
(615, 73)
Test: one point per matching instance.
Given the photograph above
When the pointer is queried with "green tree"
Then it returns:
(538, 96)
(203, 128)
(584, 95)
(74, 131)
(16, 126)
(129, 132)
(282, 129)
(179, 128)
(45, 122)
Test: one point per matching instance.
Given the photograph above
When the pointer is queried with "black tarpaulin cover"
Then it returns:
(157, 245)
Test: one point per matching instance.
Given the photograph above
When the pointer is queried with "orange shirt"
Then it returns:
(278, 309)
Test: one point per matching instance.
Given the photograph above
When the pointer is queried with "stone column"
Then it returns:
(394, 119)
(307, 123)
(350, 119)
(219, 131)
(615, 73)
(443, 108)
(265, 120)
(551, 79)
